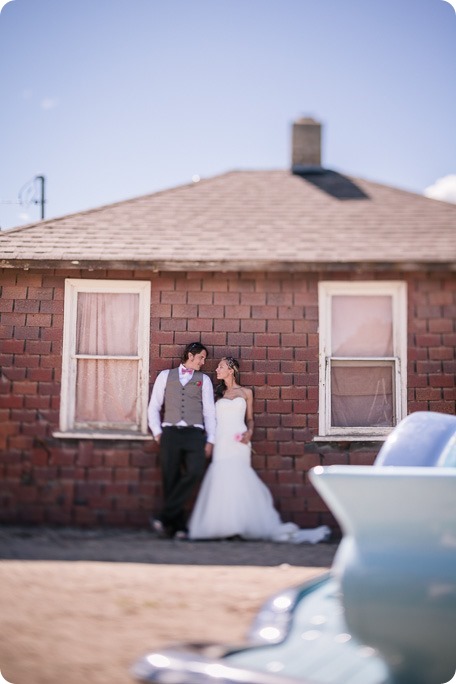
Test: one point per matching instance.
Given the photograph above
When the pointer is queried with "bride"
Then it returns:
(232, 500)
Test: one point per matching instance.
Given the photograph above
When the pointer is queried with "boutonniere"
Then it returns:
(199, 383)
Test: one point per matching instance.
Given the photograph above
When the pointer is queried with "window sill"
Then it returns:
(349, 438)
(121, 436)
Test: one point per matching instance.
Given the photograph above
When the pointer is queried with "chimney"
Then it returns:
(306, 146)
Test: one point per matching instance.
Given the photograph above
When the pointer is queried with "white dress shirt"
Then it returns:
(158, 396)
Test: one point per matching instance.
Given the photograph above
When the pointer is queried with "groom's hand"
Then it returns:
(208, 449)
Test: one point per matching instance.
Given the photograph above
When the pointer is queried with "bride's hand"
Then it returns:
(244, 437)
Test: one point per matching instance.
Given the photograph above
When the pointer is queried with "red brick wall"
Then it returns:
(431, 345)
(269, 321)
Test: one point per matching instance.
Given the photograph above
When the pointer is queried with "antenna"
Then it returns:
(27, 194)
(42, 199)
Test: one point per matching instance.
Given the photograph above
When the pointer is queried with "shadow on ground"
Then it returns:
(141, 546)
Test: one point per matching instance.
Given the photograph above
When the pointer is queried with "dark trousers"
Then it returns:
(183, 463)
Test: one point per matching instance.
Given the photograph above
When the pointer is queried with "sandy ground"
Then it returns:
(81, 606)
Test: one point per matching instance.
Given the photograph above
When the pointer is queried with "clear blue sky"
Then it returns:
(110, 100)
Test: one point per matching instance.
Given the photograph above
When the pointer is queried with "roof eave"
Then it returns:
(233, 265)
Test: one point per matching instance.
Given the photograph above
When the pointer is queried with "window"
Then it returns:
(363, 355)
(105, 366)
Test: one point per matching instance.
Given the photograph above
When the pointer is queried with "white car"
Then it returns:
(386, 612)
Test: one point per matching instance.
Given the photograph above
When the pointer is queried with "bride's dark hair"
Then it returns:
(233, 363)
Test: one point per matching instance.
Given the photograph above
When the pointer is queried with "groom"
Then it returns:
(185, 436)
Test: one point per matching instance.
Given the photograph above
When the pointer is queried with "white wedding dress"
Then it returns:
(233, 501)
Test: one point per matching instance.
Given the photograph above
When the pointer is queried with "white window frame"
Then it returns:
(73, 287)
(398, 292)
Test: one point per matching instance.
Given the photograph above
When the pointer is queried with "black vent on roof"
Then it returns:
(331, 182)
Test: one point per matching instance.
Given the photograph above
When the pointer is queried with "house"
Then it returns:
(337, 294)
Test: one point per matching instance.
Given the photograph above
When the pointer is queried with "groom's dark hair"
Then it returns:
(193, 348)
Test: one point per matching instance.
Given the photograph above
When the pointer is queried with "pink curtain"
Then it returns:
(362, 326)
(362, 396)
(106, 389)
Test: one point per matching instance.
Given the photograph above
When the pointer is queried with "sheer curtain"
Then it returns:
(362, 392)
(107, 388)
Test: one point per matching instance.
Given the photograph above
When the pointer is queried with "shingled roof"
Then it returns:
(248, 220)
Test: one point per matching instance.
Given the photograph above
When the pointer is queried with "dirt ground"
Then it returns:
(81, 606)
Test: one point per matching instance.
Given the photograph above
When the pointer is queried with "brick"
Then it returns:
(266, 366)
(449, 340)
(253, 326)
(279, 326)
(441, 380)
(443, 406)
(423, 367)
(305, 299)
(116, 459)
(164, 311)
(253, 298)
(216, 285)
(417, 380)
(171, 297)
(40, 374)
(283, 299)
(290, 477)
(428, 340)
(99, 474)
(294, 420)
(26, 333)
(267, 392)
(290, 448)
(130, 475)
(12, 374)
(14, 292)
(227, 325)
(241, 339)
(282, 379)
(307, 461)
(278, 406)
(440, 298)
(200, 325)
(170, 324)
(415, 354)
(21, 442)
(6, 331)
(428, 311)
(190, 285)
(27, 361)
(267, 340)
(38, 319)
(202, 298)
(264, 312)
(227, 298)
(40, 293)
(443, 353)
(54, 334)
(417, 406)
(54, 307)
(211, 311)
(38, 347)
(440, 325)
(10, 402)
(449, 366)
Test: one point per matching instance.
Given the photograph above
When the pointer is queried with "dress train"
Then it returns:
(233, 500)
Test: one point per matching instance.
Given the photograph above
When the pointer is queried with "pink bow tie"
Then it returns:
(186, 370)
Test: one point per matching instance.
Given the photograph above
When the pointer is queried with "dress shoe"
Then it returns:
(181, 535)
(158, 527)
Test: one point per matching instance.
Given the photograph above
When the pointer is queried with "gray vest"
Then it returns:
(184, 403)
